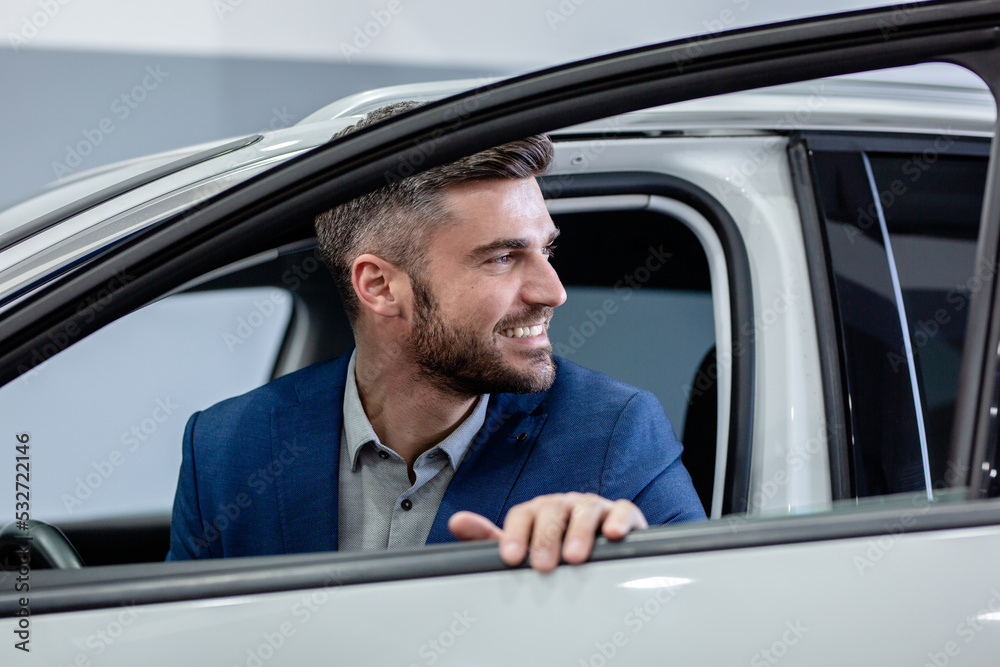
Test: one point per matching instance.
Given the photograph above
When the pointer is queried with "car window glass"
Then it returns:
(903, 224)
(107, 414)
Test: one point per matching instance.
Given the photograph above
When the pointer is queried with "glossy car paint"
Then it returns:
(790, 469)
(866, 601)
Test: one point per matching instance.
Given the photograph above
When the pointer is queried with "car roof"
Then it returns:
(883, 103)
(846, 103)
(889, 101)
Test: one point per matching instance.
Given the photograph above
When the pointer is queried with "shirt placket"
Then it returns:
(405, 521)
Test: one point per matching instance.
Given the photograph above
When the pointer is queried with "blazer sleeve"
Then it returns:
(186, 528)
(643, 464)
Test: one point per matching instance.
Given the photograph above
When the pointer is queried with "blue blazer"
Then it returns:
(259, 471)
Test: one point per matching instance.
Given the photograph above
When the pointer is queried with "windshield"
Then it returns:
(81, 194)
(61, 193)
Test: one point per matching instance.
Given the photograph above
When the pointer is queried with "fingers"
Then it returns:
(471, 526)
(585, 518)
(550, 524)
(622, 519)
(516, 533)
(563, 524)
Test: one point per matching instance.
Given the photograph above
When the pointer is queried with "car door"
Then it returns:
(911, 580)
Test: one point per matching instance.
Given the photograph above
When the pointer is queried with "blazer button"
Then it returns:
(521, 437)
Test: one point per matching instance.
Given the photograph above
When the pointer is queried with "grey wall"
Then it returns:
(58, 103)
(237, 66)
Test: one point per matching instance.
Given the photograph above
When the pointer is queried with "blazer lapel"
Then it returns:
(497, 455)
(305, 451)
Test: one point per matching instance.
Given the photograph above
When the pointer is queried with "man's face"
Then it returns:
(483, 306)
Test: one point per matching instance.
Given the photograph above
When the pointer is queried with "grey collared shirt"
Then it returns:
(378, 507)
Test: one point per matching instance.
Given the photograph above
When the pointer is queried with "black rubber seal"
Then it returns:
(59, 591)
(827, 328)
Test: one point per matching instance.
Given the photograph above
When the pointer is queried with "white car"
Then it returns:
(797, 260)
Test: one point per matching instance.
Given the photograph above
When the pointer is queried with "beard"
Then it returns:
(462, 362)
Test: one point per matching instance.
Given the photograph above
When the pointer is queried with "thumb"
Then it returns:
(471, 526)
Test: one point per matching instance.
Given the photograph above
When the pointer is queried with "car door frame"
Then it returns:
(249, 218)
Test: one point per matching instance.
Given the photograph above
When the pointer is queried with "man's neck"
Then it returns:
(407, 414)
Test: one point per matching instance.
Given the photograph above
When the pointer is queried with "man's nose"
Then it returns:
(543, 287)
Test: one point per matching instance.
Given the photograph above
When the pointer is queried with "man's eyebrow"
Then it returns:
(507, 244)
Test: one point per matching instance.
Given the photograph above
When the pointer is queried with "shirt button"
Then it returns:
(406, 504)
(432, 455)
(521, 437)
(383, 454)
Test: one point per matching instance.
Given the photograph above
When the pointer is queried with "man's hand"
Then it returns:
(566, 522)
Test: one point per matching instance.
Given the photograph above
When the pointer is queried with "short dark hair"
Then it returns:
(395, 221)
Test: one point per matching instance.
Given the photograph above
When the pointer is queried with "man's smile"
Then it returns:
(524, 332)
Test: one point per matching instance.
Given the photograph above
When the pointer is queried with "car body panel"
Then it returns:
(750, 176)
(841, 104)
(865, 601)
(99, 228)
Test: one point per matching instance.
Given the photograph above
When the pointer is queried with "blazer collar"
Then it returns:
(307, 493)
(482, 484)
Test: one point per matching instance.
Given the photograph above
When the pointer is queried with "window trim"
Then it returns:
(974, 433)
(739, 434)
(712, 246)
(832, 368)
(59, 591)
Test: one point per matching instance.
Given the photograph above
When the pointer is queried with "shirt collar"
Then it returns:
(359, 432)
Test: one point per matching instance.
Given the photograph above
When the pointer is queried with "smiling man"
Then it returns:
(451, 419)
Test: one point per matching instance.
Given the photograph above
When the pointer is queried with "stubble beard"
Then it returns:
(460, 362)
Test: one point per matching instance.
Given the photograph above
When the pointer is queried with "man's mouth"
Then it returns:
(524, 332)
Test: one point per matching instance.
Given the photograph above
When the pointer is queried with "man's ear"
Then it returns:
(380, 285)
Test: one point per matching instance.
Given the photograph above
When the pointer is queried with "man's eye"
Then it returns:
(550, 251)
(502, 259)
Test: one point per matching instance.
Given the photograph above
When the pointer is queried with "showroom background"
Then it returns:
(117, 79)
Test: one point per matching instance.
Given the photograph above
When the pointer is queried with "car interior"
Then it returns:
(660, 336)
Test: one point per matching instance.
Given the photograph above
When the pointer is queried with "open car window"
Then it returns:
(668, 291)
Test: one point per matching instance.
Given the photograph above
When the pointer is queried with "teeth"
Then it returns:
(522, 332)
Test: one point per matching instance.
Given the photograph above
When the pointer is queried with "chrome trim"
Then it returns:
(43, 259)
(15, 235)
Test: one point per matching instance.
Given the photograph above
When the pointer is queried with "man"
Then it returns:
(451, 418)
